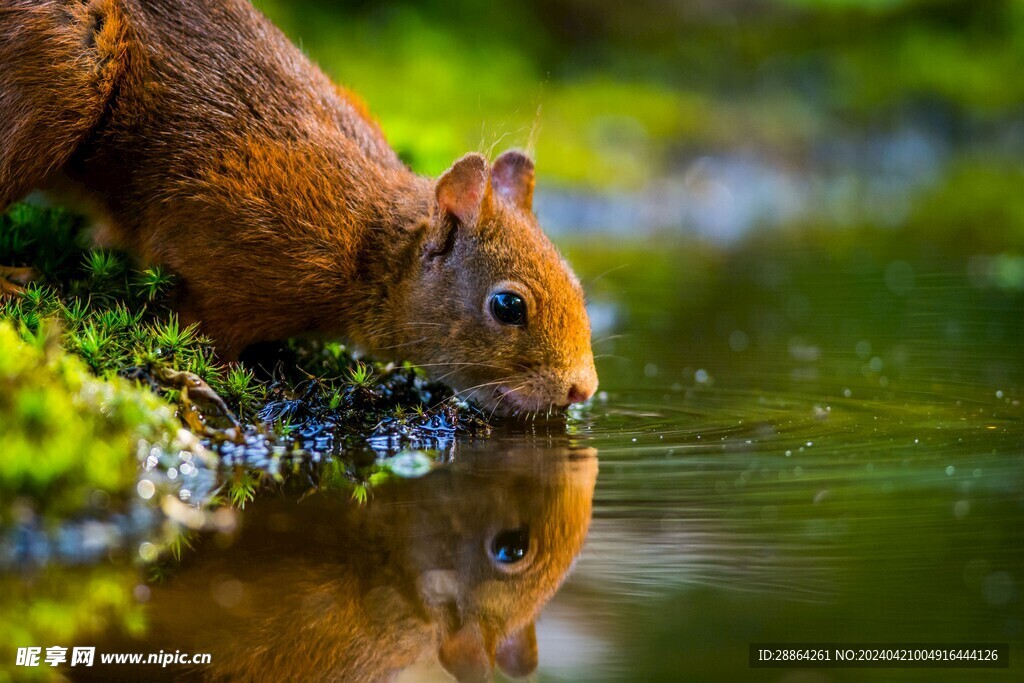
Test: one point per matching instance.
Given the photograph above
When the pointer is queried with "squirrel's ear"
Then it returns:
(512, 177)
(462, 189)
(464, 655)
(517, 655)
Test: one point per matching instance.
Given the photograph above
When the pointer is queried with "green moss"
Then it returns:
(67, 433)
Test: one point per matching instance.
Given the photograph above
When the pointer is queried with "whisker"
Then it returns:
(611, 270)
(503, 397)
(446, 375)
(527, 400)
(396, 346)
(478, 387)
(479, 365)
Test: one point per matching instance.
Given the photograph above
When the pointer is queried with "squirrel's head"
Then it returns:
(488, 562)
(500, 315)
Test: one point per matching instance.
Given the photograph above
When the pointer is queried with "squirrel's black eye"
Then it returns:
(510, 546)
(508, 308)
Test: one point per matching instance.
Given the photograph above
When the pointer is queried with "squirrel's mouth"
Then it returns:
(508, 401)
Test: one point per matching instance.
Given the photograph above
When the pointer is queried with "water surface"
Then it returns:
(821, 441)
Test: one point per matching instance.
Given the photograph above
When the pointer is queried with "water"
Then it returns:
(734, 517)
(823, 443)
(804, 438)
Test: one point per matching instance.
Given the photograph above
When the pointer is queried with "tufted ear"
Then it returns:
(513, 178)
(462, 189)
(465, 656)
(517, 655)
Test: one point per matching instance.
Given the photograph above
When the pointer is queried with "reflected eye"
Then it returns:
(510, 546)
(508, 308)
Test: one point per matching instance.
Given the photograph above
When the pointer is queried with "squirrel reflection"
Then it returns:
(457, 564)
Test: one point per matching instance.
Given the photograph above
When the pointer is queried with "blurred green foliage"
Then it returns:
(979, 205)
(63, 607)
(610, 94)
(66, 433)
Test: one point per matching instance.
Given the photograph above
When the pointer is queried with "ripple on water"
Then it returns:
(788, 493)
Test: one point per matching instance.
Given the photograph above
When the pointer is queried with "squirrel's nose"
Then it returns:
(577, 395)
(583, 388)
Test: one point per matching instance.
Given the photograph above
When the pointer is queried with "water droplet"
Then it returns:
(950, 471)
(146, 489)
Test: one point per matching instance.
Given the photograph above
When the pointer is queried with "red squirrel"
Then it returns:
(198, 137)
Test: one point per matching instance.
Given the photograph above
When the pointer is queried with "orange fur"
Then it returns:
(203, 140)
(332, 590)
